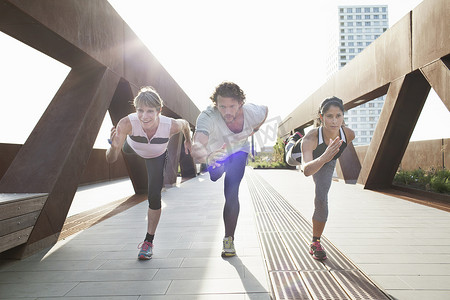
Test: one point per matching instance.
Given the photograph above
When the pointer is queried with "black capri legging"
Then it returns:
(155, 174)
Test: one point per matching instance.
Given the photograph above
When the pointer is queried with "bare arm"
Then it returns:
(310, 165)
(180, 125)
(118, 136)
(260, 124)
(198, 150)
(200, 153)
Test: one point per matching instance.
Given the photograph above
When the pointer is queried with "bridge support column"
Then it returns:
(187, 165)
(404, 102)
(349, 164)
(438, 75)
(53, 158)
(173, 158)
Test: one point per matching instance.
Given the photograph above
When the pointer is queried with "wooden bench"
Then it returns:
(18, 215)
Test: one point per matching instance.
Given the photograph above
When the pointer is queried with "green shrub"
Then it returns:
(420, 177)
(403, 177)
(268, 165)
(437, 180)
(441, 181)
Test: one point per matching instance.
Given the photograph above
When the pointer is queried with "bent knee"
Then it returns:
(154, 204)
(214, 178)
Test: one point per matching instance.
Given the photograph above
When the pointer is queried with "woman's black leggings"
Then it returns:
(234, 167)
(155, 174)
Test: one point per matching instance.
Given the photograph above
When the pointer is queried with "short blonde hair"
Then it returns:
(149, 97)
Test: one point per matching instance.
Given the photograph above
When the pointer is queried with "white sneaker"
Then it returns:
(228, 247)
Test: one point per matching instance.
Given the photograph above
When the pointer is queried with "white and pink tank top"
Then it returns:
(139, 141)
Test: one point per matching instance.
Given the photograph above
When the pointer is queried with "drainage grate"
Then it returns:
(357, 286)
(323, 286)
(265, 223)
(284, 235)
(275, 253)
(288, 285)
(300, 252)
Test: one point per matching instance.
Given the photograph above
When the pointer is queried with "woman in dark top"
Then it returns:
(320, 149)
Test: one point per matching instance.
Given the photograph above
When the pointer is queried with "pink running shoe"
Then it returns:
(317, 251)
(146, 251)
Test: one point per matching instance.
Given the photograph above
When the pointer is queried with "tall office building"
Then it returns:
(358, 27)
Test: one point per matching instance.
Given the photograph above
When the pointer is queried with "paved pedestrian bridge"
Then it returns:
(379, 247)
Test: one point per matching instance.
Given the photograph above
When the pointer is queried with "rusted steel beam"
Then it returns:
(172, 162)
(401, 110)
(403, 62)
(438, 75)
(74, 31)
(109, 64)
(419, 38)
(53, 158)
(349, 165)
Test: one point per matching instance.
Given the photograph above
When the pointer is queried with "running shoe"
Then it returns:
(293, 151)
(146, 251)
(317, 251)
(228, 247)
(295, 137)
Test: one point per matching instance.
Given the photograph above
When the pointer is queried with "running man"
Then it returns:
(221, 141)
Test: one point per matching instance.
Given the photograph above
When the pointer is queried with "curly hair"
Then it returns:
(228, 89)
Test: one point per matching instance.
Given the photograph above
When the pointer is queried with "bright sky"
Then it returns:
(275, 50)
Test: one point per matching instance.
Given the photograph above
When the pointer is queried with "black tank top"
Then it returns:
(321, 146)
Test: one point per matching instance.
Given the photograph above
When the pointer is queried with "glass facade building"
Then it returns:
(358, 27)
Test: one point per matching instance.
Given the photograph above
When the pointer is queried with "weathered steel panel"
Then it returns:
(438, 75)
(425, 155)
(91, 38)
(173, 157)
(349, 164)
(93, 27)
(142, 68)
(364, 78)
(54, 156)
(8, 152)
(419, 41)
(394, 129)
(430, 32)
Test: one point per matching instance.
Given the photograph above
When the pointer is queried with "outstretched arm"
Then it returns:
(199, 152)
(180, 125)
(118, 136)
(260, 124)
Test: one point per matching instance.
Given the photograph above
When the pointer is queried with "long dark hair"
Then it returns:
(325, 106)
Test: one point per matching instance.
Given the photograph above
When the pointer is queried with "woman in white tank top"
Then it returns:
(146, 133)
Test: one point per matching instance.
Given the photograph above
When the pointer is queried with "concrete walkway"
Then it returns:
(101, 262)
(402, 246)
